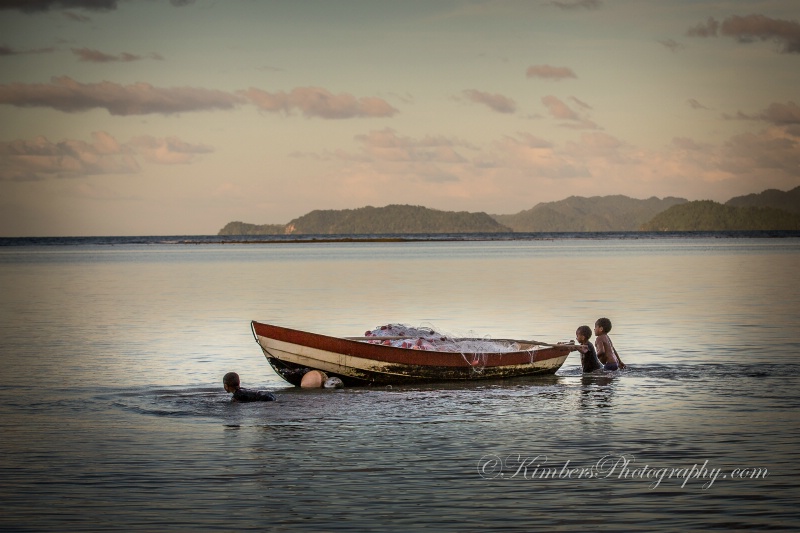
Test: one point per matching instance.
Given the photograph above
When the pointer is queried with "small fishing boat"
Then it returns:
(372, 361)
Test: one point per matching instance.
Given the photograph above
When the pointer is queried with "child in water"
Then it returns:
(589, 360)
(231, 383)
(605, 349)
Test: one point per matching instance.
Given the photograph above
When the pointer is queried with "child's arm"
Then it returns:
(621, 364)
(616, 354)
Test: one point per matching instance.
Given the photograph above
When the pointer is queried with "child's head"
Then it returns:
(583, 334)
(604, 324)
(230, 381)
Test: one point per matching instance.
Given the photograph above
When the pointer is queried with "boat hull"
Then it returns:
(291, 353)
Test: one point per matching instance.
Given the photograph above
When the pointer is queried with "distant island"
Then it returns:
(771, 209)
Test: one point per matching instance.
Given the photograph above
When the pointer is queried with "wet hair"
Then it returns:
(604, 323)
(586, 331)
(231, 379)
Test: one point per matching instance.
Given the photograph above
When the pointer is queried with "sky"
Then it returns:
(158, 117)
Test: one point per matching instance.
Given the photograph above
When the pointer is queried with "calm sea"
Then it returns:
(112, 413)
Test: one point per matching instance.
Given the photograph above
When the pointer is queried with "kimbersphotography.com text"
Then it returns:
(620, 467)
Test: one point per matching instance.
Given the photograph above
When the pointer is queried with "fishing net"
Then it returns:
(427, 338)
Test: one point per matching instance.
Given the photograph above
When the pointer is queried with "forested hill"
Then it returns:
(243, 228)
(375, 220)
(706, 215)
(786, 200)
(598, 213)
(393, 219)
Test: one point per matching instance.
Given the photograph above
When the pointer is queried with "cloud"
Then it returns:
(577, 4)
(782, 114)
(560, 110)
(33, 6)
(751, 28)
(596, 143)
(704, 29)
(771, 151)
(319, 102)
(685, 143)
(68, 95)
(95, 56)
(496, 102)
(776, 113)
(584, 105)
(549, 72)
(169, 150)
(529, 155)
(516, 171)
(65, 94)
(6, 50)
(694, 104)
(386, 145)
(38, 159)
(671, 45)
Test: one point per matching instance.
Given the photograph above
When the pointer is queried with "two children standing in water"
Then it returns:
(605, 356)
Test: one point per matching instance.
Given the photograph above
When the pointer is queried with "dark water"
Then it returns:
(112, 413)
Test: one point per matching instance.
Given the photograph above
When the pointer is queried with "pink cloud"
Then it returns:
(774, 150)
(517, 171)
(532, 159)
(66, 94)
(685, 143)
(32, 6)
(559, 110)
(495, 102)
(95, 56)
(169, 150)
(751, 28)
(319, 102)
(386, 145)
(778, 114)
(37, 159)
(549, 72)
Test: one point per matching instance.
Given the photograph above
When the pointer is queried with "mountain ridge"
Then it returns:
(770, 209)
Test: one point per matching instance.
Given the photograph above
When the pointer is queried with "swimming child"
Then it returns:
(589, 360)
(231, 383)
(605, 349)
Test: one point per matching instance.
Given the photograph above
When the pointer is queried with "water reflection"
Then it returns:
(596, 391)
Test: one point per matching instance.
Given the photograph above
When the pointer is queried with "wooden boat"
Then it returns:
(360, 361)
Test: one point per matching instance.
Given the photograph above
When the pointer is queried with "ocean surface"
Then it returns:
(113, 416)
